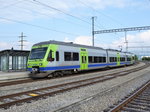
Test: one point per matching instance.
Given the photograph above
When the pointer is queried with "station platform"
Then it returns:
(13, 75)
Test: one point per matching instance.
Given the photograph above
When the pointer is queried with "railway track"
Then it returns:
(22, 81)
(139, 101)
(28, 96)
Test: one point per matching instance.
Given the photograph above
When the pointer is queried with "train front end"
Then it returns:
(37, 61)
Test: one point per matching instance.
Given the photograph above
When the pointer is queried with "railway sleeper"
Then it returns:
(145, 96)
(128, 109)
(139, 103)
(137, 106)
(142, 101)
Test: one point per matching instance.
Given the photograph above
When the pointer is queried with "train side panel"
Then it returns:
(60, 57)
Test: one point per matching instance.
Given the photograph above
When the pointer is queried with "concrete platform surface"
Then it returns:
(13, 75)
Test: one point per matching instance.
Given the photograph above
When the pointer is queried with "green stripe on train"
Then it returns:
(83, 59)
(118, 58)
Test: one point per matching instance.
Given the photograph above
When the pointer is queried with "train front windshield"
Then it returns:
(38, 53)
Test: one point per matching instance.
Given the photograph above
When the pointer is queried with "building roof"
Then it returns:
(66, 44)
(15, 52)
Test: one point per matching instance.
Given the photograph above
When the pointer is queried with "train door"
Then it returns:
(83, 59)
(118, 58)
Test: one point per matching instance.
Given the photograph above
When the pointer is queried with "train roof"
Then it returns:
(66, 44)
(119, 51)
(13, 52)
(75, 45)
(113, 50)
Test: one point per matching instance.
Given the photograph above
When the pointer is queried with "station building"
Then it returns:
(13, 60)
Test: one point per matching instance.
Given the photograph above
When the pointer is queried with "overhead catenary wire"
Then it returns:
(68, 14)
(63, 12)
(41, 27)
(100, 13)
(48, 6)
(6, 36)
(111, 18)
(40, 3)
(12, 4)
(43, 14)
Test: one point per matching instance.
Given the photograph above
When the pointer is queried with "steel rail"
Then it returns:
(22, 81)
(125, 102)
(78, 103)
(8, 100)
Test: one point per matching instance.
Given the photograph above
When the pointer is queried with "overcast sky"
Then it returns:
(70, 21)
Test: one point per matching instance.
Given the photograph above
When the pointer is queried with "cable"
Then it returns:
(41, 27)
(15, 3)
(100, 13)
(40, 3)
(49, 16)
(5, 36)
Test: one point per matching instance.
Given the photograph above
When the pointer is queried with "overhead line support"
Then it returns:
(22, 40)
(123, 30)
(93, 31)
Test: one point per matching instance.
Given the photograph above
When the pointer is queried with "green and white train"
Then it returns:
(59, 58)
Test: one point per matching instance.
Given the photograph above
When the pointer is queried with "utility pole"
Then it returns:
(126, 41)
(22, 40)
(93, 31)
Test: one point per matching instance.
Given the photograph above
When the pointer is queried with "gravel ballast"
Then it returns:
(93, 98)
(41, 84)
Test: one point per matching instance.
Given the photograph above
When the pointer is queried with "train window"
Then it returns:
(67, 56)
(128, 59)
(57, 56)
(84, 59)
(90, 59)
(75, 56)
(122, 59)
(115, 59)
(110, 59)
(50, 56)
(100, 59)
(104, 59)
(38, 53)
(96, 59)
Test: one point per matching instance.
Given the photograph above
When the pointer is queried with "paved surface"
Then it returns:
(12, 75)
